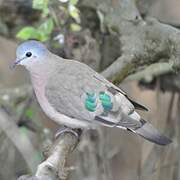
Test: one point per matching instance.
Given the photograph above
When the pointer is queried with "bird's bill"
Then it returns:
(16, 62)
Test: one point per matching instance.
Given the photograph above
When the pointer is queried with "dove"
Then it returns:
(72, 94)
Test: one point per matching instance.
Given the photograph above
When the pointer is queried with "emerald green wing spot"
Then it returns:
(90, 102)
(107, 105)
(106, 101)
(91, 97)
(104, 97)
(90, 107)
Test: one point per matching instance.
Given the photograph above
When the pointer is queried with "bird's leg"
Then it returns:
(64, 129)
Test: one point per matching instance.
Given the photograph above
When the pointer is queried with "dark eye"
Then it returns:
(28, 54)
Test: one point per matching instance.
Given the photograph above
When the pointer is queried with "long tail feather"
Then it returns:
(148, 132)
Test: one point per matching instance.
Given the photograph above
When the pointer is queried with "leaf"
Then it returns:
(75, 27)
(47, 27)
(41, 34)
(74, 13)
(28, 33)
(44, 37)
(73, 2)
(40, 4)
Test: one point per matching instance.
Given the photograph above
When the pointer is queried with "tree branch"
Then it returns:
(54, 167)
(143, 41)
(151, 71)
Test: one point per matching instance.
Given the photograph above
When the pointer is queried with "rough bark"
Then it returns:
(143, 41)
(54, 167)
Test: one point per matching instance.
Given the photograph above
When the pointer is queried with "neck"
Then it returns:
(39, 72)
(39, 76)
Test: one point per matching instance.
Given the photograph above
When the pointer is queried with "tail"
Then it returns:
(148, 132)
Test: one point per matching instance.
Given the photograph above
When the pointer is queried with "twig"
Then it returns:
(54, 167)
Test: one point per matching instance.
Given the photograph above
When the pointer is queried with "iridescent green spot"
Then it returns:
(106, 101)
(91, 97)
(90, 102)
(104, 97)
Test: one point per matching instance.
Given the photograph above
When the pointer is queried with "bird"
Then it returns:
(74, 95)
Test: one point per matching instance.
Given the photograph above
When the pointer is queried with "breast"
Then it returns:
(39, 89)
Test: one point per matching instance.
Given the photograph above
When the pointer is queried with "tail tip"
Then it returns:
(163, 140)
(150, 133)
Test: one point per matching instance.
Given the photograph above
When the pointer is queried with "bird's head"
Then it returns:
(30, 53)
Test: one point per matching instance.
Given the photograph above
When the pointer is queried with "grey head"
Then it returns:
(30, 53)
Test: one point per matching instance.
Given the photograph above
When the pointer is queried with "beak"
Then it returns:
(16, 62)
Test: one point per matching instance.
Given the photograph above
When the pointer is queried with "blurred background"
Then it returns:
(73, 29)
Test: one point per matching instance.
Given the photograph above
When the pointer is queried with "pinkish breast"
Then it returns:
(39, 83)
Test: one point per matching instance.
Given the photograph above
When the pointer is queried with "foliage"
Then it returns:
(41, 5)
(41, 33)
(50, 21)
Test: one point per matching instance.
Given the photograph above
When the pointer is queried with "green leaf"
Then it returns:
(75, 27)
(73, 2)
(41, 34)
(74, 13)
(47, 27)
(44, 37)
(40, 4)
(28, 33)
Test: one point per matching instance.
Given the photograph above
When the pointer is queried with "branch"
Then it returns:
(54, 167)
(151, 71)
(143, 41)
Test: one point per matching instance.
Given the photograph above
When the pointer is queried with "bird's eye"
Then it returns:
(28, 54)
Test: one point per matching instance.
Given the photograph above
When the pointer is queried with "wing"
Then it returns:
(81, 93)
(116, 89)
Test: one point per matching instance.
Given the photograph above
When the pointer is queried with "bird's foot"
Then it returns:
(75, 132)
